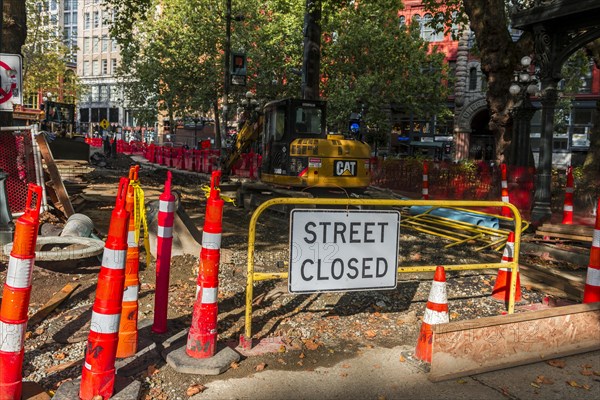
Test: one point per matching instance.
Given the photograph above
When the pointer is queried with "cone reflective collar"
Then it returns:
(98, 373)
(591, 292)
(436, 312)
(16, 294)
(166, 216)
(202, 337)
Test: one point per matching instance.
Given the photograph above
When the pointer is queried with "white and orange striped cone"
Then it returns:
(591, 293)
(568, 205)
(425, 189)
(98, 373)
(202, 337)
(436, 312)
(16, 294)
(501, 289)
(505, 212)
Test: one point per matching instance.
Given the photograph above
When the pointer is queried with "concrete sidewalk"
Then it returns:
(380, 373)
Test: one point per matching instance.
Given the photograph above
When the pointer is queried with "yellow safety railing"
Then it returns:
(259, 276)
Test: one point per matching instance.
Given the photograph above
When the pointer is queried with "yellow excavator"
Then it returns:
(296, 150)
(291, 135)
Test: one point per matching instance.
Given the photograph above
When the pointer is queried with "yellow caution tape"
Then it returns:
(139, 217)
(206, 190)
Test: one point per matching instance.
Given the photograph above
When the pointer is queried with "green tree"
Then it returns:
(370, 62)
(45, 57)
(175, 57)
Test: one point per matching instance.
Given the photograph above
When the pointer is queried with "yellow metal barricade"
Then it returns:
(259, 276)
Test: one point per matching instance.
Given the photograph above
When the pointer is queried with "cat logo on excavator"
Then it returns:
(344, 168)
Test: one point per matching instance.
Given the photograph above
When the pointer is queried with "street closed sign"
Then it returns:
(343, 250)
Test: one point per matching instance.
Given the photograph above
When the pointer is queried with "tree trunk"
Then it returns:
(12, 37)
(499, 56)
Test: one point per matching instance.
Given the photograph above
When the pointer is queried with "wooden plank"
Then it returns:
(491, 343)
(577, 256)
(564, 236)
(567, 283)
(583, 230)
(57, 182)
(51, 304)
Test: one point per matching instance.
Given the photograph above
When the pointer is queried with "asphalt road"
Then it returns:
(380, 374)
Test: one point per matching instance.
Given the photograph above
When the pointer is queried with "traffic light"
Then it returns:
(238, 64)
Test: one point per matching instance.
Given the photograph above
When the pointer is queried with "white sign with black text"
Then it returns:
(343, 250)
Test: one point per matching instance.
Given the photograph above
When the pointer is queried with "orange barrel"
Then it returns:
(98, 373)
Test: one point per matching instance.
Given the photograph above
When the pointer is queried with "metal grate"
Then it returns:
(16, 159)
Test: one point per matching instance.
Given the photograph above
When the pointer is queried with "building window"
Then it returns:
(438, 34)
(30, 100)
(95, 67)
(95, 93)
(86, 44)
(67, 19)
(104, 93)
(86, 68)
(114, 45)
(114, 94)
(402, 21)
(67, 5)
(86, 20)
(113, 66)
(104, 43)
(104, 67)
(96, 19)
(95, 44)
(473, 79)
(586, 80)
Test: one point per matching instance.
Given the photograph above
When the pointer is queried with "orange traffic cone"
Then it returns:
(501, 287)
(591, 293)
(435, 313)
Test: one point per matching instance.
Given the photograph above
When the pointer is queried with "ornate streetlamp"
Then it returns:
(522, 166)
(524, 85)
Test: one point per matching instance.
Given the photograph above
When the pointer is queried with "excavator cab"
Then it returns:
(297, 151)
